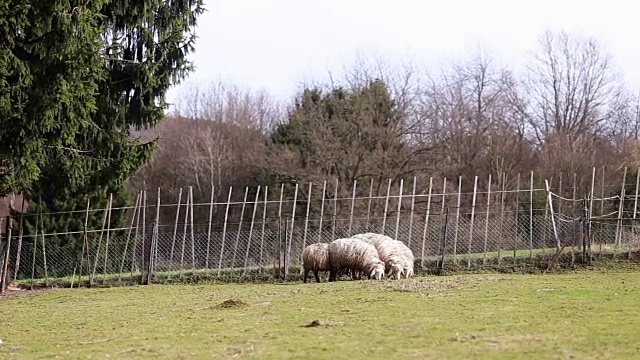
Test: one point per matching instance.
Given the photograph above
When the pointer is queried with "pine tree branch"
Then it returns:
(78, 151)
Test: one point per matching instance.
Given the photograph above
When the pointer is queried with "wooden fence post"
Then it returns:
(6, 254)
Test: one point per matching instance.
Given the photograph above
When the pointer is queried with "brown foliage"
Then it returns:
(568, 113)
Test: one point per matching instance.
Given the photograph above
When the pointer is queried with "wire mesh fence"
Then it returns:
(262, 238)
(445, 240)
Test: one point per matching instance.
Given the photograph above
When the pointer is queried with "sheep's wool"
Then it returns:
(353, 254)
(315, 257)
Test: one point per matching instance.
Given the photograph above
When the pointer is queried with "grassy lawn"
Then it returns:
(581, 315)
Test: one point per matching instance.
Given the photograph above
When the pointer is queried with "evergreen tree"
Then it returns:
(345, 133)
(75, 77)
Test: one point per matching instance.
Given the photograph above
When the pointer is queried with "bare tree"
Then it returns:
(229, 103)
(216, 137)
(569, 112)
(471, 111)
(576, 100)
(572, 84)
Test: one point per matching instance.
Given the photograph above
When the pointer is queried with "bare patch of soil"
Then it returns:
(13, 291)
(318, 323)
(232, 304)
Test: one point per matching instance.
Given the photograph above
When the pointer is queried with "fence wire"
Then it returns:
(271, 248)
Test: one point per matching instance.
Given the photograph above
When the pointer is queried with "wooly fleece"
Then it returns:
(315, 257)
(372, 238)
(354, 254)
(406, 256)
(393, 253)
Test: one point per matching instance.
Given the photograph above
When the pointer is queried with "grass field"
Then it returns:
(580, 315)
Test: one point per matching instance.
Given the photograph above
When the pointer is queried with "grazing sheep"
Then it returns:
(408, 260)
(408, 269)
(315, 257)
(356, 255)
(396, 268)
(406, 257)
(372, 238)
(394, 253)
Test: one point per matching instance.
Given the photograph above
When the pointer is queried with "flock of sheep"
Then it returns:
(373, 254)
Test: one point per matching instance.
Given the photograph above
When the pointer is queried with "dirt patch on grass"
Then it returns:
(13, 292)
(436, 284)
(321, 323)
(518, 341)
(232, 304)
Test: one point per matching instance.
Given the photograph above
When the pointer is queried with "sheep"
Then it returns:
(406, 256)
(392, 252)
(408, 269)
(315, 257)
(408, 261)
(406, 266)
(356, 255)
(399, 252)
(397, 257)
(396, 268)
(372, 238)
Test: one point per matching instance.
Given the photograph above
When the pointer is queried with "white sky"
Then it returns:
(275, 44)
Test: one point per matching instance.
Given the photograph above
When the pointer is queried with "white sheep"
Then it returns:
(392, 252)
(375, 239)
(396, 267)
(406, 257)
(372, 238)
(315, 257)
(356, 255)
(397, 257)
(408, 261)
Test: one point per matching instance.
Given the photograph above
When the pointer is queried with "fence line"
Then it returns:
(517, 222)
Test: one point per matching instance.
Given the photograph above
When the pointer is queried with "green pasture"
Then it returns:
(585, 314)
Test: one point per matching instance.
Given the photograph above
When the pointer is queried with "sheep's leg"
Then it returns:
(304, 276)
(356, 274)
(332, 274)
(315, 273)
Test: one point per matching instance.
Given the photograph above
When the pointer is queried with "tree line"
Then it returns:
(569, 111)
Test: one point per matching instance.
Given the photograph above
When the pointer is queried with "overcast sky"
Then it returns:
(275, 44)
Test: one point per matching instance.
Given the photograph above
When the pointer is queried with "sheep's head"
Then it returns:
(391, 266)
(408, 271)
(406, 266)
(396, 271)
(377, 271)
